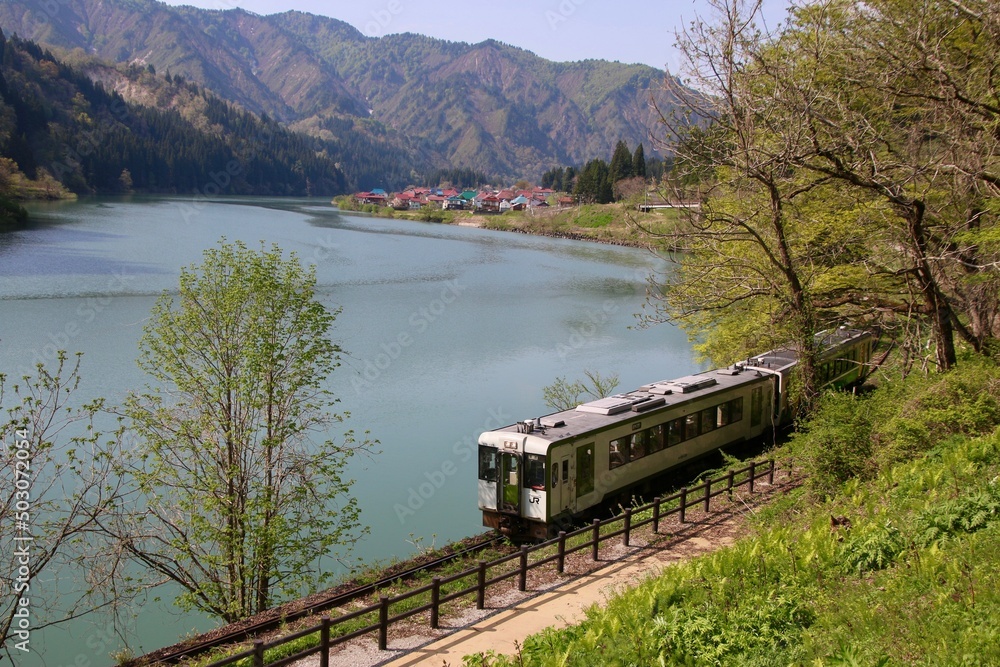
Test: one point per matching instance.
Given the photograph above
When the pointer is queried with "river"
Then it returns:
(447, 331)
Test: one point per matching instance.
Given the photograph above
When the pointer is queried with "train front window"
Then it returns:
(534, 472)
(487, 464)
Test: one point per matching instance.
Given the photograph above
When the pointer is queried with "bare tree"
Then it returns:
(55, 481)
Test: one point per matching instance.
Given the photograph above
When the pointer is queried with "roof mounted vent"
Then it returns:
(612, 405)
(649, 404)
(662, 388)
(691, 383)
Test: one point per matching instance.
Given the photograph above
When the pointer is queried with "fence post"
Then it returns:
(628, 526)
(597, 538)
(708, 493)
(561, 563)
(770, 474)
(324, 642)
(753, 474)
(729, 484)
(435, 601)
(684, 502)
(481, 591)
(656, 515)
(383, 623)
(522, 580)
(258, 653)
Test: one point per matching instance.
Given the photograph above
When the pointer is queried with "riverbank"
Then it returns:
(615, 224)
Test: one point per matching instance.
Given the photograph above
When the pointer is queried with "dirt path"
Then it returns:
(552, 600)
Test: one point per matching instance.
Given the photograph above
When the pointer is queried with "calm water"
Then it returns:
(448, 331)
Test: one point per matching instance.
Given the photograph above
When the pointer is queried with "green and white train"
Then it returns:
(542, 474)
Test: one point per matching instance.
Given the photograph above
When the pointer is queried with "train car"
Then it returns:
(539, 474)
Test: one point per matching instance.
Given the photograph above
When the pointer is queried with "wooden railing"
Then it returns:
(677, 503)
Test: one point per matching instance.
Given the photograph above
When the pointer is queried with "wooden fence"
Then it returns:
(677, 503)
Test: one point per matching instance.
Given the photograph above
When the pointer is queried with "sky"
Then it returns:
(629, 31)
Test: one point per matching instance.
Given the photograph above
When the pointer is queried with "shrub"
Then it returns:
(837, 443)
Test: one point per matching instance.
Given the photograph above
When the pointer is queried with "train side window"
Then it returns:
(616, 453)
(487, 464)
(708, 420)
(639, 445)
(735, 410)
(565, 465)
(691, 426)
(657, 438)
(534, 472)
(723, 414)
(675, 432)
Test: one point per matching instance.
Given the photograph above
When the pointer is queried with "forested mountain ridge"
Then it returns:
(93, 127)
(488, 106)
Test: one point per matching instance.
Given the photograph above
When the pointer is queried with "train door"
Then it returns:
(756, 406)
(510, 483)
(584, 469)
(563, 482)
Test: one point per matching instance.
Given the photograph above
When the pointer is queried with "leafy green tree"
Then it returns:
(235, 503)
(745, 263)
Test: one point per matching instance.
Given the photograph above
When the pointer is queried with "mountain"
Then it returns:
(68, 126)
(488, 106)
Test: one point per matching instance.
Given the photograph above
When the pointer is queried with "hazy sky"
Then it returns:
(630, 31)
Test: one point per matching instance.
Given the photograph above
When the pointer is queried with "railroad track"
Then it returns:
(335, 600)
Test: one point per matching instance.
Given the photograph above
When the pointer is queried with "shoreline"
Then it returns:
(608, 224)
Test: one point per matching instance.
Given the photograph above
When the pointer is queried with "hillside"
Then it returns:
(97, 128)
(889, 555)
(489, 106)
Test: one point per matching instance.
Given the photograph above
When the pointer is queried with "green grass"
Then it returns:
(913, 579)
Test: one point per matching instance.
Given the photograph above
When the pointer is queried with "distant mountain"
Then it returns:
(489, 106)
(70, 124)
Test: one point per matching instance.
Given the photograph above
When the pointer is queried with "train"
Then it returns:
(540, 475)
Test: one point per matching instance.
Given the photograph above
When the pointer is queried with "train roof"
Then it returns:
(627, 407)
(783, 358)
(655, 397)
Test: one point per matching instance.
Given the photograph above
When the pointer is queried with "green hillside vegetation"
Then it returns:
(911, 576)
